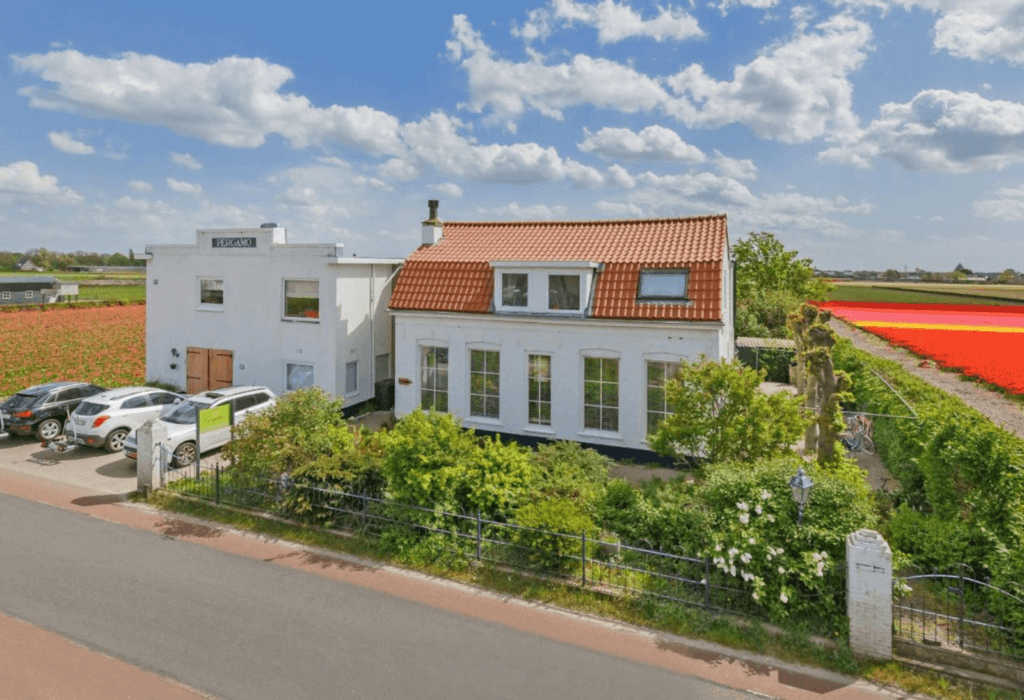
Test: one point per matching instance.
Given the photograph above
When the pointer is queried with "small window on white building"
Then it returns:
(657, 403)
(382, 367)
(299, 376)
(564, 292)
(484, 383)
(302, 299)
(539, 398)
(515, 289)
(663, 285)
(351, 377)
(28, 293)
(601, 394)
(433, 378)
(6, 295)
(211, 292)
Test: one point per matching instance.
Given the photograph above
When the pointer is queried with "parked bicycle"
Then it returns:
(857, 436)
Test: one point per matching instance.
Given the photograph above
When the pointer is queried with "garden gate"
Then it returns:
(958, 612)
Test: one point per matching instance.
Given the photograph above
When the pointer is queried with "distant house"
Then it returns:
(26, 265)
(560, 329)
(139, 269)
(34, 290)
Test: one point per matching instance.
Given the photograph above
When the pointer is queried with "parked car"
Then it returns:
(104, 420)
(42, 409)
(182, 419)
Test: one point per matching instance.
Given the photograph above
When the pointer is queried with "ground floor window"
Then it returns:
(433, 378)
(539, 371)
(657, 404)
(28, 294)
(484, 383)
(601, 393)
(351, 377)
(299, 376)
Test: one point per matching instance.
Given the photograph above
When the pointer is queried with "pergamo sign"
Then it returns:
(235, 242)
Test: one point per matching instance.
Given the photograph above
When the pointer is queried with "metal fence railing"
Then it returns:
(578, 558)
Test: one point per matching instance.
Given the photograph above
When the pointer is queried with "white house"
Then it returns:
(244, 306)
(563, 329)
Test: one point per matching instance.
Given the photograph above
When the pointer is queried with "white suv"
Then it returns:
(105, 419)
(182, 419)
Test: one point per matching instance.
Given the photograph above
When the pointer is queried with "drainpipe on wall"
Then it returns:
(732, 260)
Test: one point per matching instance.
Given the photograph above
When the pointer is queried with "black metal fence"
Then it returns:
(580, 559)
(956, 611)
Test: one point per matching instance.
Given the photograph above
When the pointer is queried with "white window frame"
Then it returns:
(298, 363)
(29, 294)
(538, 276)
(547, 289)
(209, 306)
(486, 395)
(604, 356)
(422, 368)
(648, 411)
(6, 295)
(539, 400)
(500, 297)
(284, 300)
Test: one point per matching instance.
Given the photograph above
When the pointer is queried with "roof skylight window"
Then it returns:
(663, 285)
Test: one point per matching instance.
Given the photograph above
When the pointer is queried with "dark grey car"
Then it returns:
(43, 409)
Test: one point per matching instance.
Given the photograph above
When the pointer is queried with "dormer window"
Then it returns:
(559, 287)
(564, 292)
(663, 285)
(515, 288)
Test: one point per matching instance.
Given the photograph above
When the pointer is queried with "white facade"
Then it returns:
(228, 292)
(567, 341)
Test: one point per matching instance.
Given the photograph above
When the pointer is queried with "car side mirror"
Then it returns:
(176, 402)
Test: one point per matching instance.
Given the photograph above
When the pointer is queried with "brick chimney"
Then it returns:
(432, 226)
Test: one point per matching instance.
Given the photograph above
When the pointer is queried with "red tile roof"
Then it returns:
(455, 275)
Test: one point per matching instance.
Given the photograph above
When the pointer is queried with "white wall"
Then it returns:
(567, 341)
(250, 323)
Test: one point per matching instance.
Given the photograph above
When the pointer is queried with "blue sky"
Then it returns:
(864, 133)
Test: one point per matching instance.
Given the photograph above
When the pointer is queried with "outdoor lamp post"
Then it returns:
(801, 485)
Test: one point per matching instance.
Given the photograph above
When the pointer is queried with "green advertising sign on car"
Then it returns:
(214, 418)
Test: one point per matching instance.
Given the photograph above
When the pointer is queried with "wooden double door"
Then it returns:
(208, 368)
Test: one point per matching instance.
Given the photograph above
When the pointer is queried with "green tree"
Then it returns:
(891, 275)
(720, 414)
(770, 283)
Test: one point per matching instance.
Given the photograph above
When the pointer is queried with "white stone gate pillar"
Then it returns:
(869, 594)
(150, 435)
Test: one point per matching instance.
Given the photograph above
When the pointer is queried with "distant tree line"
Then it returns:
(52, 260)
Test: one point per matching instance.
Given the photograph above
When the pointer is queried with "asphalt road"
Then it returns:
(241, 628)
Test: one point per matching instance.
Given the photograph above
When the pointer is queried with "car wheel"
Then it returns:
(185, 455)
(49, 429)
(115, 441)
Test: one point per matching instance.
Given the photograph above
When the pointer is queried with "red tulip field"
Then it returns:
(106, 346)
(986, 342)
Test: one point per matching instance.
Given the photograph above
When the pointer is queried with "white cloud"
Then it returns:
(185, 160)
(435, 142)
(792, 92)
(508, 89)
(448, 188)
(724, 5)
(140, 186)
(619, 210)
(940, 131)
(735, 168)
(372, 182)
(620, 177)
(613, 21)
(63, 141)
(184, 187)
(1006, 205)
(234, 101)
(653, 142)
(22, 180)
(532, 212)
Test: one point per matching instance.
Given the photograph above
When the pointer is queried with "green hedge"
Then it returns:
(961, 475)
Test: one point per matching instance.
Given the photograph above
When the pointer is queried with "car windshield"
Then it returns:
(90, 409)
(184, 413)
(20, 402)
